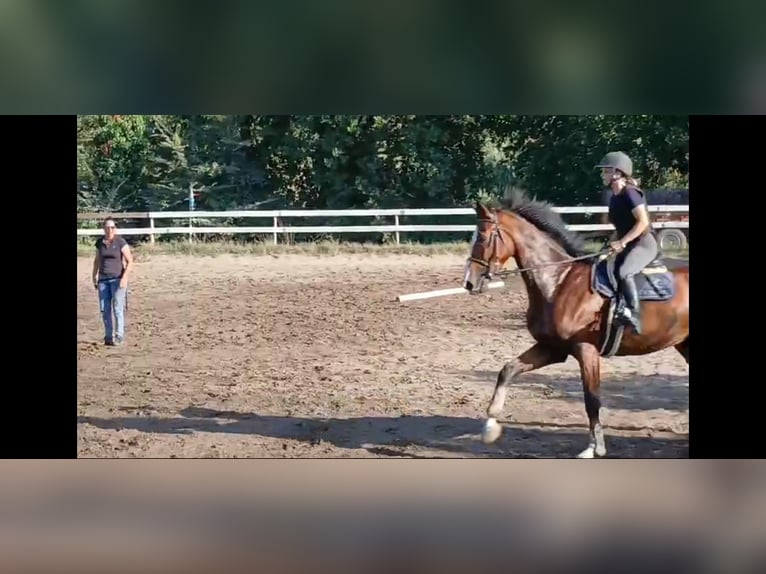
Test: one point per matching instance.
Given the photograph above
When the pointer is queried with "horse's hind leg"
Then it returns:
(533, 358)
(683, 348)
(590, 371)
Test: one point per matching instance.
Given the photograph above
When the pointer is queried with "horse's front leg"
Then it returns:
(590, 372)
(535, 357)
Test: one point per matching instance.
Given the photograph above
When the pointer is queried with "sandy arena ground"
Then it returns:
(298, 356)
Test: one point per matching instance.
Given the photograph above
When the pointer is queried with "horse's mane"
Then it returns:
(541, 215)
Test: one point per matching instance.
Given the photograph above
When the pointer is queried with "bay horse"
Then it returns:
(571, 299)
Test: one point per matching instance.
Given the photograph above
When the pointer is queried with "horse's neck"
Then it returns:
(535, 249)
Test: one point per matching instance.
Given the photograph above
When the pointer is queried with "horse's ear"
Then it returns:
(479, 207)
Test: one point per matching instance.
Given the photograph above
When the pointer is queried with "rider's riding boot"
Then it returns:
(630, 307)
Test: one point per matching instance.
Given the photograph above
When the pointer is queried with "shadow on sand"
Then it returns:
(406, 436)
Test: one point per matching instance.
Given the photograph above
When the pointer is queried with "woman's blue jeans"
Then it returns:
(111, 300)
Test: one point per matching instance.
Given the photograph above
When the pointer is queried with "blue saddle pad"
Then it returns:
(652, 284)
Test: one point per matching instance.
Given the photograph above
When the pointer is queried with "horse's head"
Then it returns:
(491, 247)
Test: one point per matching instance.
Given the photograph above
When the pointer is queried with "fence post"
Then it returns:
(151, 226)
(396, 224)
(276, 224)
(190, 229)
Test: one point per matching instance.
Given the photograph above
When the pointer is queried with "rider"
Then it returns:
(635, 242)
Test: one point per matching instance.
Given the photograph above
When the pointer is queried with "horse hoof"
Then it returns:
(587, 453)
(491, 431)
(592, 452)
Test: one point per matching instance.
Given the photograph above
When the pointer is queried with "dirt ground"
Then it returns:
(298, 356)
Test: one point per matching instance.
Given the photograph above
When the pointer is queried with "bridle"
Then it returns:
(496, 236)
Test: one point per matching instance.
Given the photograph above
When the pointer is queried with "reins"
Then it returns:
(505, 272)
(497, 235)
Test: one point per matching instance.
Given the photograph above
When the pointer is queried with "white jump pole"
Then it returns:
(443, 292)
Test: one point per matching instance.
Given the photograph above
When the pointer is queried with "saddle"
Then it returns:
(654, 282)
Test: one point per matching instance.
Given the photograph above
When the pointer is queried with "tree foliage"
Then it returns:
(555, 155)
(129, 163)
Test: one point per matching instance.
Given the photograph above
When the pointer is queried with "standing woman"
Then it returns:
(111, 268)
(635, 242)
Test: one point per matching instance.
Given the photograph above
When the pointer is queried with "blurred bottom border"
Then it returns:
(345, 515)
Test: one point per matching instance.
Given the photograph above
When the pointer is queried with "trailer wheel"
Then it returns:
(671, 240)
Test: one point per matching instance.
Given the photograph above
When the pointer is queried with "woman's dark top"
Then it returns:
(110, 257)
(621, 206)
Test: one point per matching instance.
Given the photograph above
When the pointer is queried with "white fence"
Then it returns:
(276, 228)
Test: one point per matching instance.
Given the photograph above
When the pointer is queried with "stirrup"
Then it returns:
(625, 315)
(630, 319)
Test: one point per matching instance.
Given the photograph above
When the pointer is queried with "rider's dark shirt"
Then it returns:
(621, 206)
